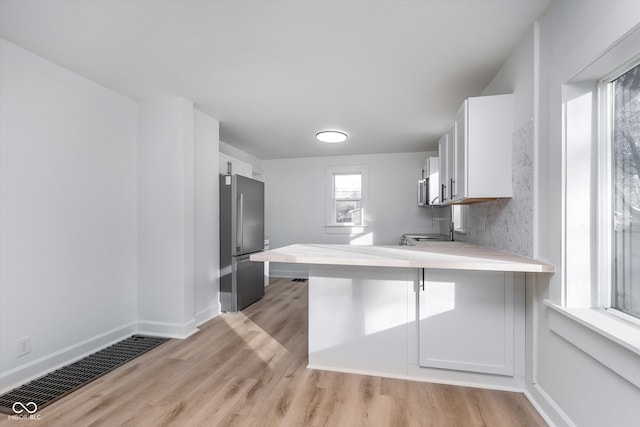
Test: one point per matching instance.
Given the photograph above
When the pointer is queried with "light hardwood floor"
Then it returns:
(249, 369)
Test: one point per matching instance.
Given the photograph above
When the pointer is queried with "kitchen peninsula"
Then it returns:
(448, 312)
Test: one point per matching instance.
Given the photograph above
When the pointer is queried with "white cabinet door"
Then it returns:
(444, 166)
(489, 130)
(477, 151)
(457, 183)
(466, 321)
(244, 169)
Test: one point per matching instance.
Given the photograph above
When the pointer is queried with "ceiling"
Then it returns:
(389, 73)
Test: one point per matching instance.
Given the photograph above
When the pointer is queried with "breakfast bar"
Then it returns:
(449, 312)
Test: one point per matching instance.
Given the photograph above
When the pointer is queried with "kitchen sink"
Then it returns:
(409, 239)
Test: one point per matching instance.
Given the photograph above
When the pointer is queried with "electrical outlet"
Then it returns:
(24, 346)
(483, 224)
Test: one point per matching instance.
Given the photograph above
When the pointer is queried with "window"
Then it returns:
(623, 95)
(347, 198)
(346, 191)
(597, 307)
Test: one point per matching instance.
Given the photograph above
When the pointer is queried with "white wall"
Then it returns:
(573, 34)
(207, 233)
(178, 247)
(108, 216)
(67, 214)
(165, 217)
(295, 201)
(569, 386)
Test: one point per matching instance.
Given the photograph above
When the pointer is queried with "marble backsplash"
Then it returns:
(508, 223)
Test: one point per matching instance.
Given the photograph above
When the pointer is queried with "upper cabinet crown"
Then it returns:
(475, 154)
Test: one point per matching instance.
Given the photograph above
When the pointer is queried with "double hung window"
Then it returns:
(623, 143)
(346, 196)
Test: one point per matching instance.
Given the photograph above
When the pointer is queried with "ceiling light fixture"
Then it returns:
(331, 136)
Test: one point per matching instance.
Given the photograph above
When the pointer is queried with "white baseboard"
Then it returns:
(547, 407)
(434, 380)
(206, 315)
(39, 367)
(166, 329)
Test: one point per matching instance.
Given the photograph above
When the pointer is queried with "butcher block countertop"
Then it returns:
(440, 255)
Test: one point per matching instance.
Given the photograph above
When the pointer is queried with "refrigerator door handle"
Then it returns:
(240, 226)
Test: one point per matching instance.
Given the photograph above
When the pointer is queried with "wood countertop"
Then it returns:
(437, 255)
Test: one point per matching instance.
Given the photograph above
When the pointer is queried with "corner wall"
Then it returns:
(206, 217)
(165, 217)
(178, 247)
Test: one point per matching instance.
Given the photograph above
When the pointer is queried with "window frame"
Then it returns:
(576, 313)
(330, 199)
(604, 142)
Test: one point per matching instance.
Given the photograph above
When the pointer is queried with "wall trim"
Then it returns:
(547, 407)
(435, 380)
(609, 340)
(166, 329)
(207, 314)
(50, 362)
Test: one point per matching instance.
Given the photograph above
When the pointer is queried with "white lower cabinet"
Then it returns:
(466, 321)
(465, 327)
(358, 319)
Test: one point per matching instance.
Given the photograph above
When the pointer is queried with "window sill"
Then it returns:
(344, 229)
(610, 340)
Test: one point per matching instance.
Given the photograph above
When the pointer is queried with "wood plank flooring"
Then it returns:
(249, 369)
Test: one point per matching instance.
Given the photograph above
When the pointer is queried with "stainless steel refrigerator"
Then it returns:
(241, 234)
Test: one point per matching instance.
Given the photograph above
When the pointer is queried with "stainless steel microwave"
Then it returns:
(429, 185)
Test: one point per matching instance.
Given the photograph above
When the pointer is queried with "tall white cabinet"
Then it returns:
(475, 154)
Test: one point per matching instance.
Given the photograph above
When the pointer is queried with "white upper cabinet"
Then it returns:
(477, 151)
(457, 182)
(230, 165)
(444, 157)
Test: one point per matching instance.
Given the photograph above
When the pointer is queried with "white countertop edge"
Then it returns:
(466, 257)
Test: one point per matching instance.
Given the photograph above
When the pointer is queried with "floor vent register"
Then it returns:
(35, 395)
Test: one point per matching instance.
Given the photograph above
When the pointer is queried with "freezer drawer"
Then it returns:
(247, 284)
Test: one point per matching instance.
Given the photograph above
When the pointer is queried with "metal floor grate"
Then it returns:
(57, 384)
(298, 280)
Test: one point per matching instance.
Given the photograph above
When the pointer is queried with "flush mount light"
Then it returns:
(331, 136)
